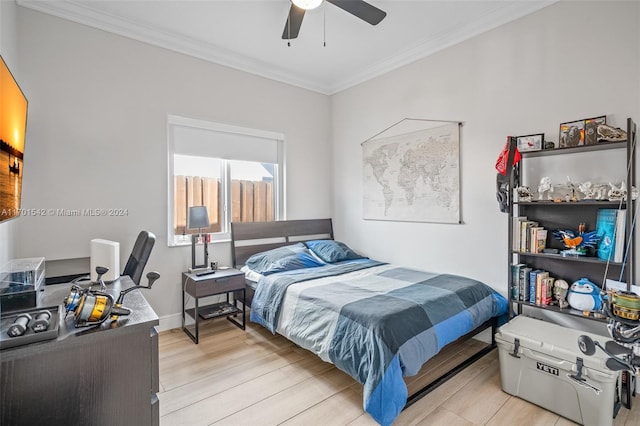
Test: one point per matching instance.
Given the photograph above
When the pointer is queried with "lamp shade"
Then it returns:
(198, 217)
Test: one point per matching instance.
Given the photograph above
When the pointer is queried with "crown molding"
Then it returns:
(86, 15)
(491, 20)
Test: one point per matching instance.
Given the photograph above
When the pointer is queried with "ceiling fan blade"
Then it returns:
(361, 9)
(294, 22)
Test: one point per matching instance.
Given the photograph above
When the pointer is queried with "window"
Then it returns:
(235, 172)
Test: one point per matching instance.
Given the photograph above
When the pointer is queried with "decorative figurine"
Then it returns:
(523, 194)
(610, 134)
(560, 289)
(545, 187)
(565, 192)
(598, 191)
(601, 191)
(588, 190)
(571, 193)
(584, 296)
(576, 243)
(617, 194)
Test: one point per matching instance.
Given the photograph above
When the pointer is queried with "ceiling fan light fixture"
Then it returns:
(307, 4)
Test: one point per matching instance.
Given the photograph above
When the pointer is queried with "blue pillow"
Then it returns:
(295, 261)
(263, 261)
(332, 251)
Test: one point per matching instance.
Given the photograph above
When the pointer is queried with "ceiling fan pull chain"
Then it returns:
(289, 29)
(324, 25)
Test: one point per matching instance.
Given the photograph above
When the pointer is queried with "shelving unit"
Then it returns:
(567, 215)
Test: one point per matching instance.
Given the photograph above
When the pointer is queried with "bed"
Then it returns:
(375, 321)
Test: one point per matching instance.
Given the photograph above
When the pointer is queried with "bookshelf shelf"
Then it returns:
(566, 215)
(565, 311)
(575, 150)
(552, 204)
(579, 259)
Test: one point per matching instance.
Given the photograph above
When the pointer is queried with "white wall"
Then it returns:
(568, 61)
(8, 50)
(97, 138)
(98, 106)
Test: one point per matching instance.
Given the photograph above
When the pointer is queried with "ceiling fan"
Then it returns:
(358, 8)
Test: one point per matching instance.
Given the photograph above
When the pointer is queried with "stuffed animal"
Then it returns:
(584, 295)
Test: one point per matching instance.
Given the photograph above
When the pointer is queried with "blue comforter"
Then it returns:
(377, 322)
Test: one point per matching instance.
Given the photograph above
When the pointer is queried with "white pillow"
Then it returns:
(250, 274)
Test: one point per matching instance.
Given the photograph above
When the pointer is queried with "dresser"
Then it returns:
(103, 375)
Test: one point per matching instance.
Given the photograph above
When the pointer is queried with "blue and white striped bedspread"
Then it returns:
(377, 322)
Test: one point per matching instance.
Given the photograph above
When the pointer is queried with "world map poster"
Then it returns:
(413, 177)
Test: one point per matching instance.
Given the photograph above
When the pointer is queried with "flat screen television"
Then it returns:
(13, 124)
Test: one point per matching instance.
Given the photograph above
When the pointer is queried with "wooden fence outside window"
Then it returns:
(251, 201)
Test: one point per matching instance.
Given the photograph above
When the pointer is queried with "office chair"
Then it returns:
(139, 256)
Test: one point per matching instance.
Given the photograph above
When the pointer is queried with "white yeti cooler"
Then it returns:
(540, 362)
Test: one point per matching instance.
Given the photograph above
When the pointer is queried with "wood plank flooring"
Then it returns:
(234, 377)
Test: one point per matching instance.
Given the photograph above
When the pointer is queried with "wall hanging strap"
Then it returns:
(411, 119)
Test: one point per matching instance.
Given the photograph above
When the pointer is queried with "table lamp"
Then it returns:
(198, 219)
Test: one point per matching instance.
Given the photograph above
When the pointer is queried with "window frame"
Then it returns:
(279, 187)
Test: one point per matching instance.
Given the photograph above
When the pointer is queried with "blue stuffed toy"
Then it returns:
(584, 295)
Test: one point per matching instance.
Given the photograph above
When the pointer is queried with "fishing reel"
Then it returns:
(92, 307)
(623, 310)
(625, 305)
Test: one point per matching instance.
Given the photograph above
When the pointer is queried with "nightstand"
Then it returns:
(223, 281)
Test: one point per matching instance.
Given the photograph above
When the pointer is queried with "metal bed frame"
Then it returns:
(248, 238)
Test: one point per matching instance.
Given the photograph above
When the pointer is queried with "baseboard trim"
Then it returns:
(169, 322)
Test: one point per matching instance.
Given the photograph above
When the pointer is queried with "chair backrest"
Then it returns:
(139, 256)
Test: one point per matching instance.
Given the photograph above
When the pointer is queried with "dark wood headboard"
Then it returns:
(249, 238)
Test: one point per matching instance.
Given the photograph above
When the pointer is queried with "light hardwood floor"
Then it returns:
(234, 377)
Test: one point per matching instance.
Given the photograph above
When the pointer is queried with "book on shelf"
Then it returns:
(524, 283)
(515, 280)
(525, 237)
(537, 239)
(547, 291)
(541, 240)
(540, 276)
(605, 228)
(516, 231)
(620, 237)
(532, 245)
(532, 284)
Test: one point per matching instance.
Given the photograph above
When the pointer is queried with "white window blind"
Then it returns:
(194, 144)
(226, 145)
